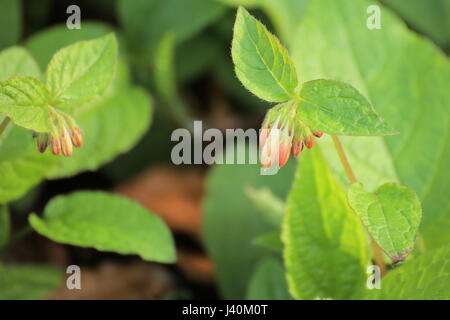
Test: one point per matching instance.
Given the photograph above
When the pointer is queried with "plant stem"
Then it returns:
(378, 254)
(344, 160)
(4, 124)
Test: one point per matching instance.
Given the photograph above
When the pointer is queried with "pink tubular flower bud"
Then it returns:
(266, 154)
(318, 133)
(264, 133)
(297, 147)
(56, 146)
(309, 142)
(284, 153)
(77, 138)
(66, 142)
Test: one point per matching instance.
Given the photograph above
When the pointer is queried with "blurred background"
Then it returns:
(178, 51)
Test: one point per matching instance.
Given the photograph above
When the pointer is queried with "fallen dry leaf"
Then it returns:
(112, 281)
(173, 194)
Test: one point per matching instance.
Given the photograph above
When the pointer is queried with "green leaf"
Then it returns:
(16, 61)
(285, 15)
(261, 63)
(24, 100)
(268, 282)
(426, 277)
(337, 108)
(10, 22)
(5, 228)
(21, 166)
(110, 127)
(106, 222)
(28, 282)
(230, 227)
(410, 93)
(82, 71)
(269, 205)
(430, 17)
(391, 214)
(325, 250)
(270, 240)
(44, 44)
(145, 22)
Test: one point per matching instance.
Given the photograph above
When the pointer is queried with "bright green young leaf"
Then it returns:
(426, 277)
(5, 227)
(82, 71)
(268, 282)
(337, 108)
(16, 61)
(391, 214)
(111, 127)
(28, 282)
(261, 63)
(165, 79)
(410, 93)
(230, 227)
(10, 22)
(325, 250)
(21, 167)
(146, 21)
(108, 223)
(24, 100)
(44, 44)
(270, 206)
(270, 240)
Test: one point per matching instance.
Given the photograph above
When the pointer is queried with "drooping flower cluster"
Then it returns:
(283, 134)
(63, 136)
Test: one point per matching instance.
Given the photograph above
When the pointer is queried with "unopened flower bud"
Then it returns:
(309, 142)
(42, 142)
(318, 133)
(266, 154)
(66, 142)
(77, 138)
(263, 136)
(297, 147)
(284, 153)
(56, 146)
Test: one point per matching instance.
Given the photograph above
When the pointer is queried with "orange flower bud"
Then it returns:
(318, 133)
(56, 146)
(297, 147)
(66, 143)
(309, 142)
(77, 138)
(284, 153)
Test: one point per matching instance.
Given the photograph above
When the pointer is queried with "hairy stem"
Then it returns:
(4, 124)
(378, 254)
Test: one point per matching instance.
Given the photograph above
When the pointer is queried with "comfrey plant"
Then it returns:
(391, 215)
(85, 88)
(264, 67)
